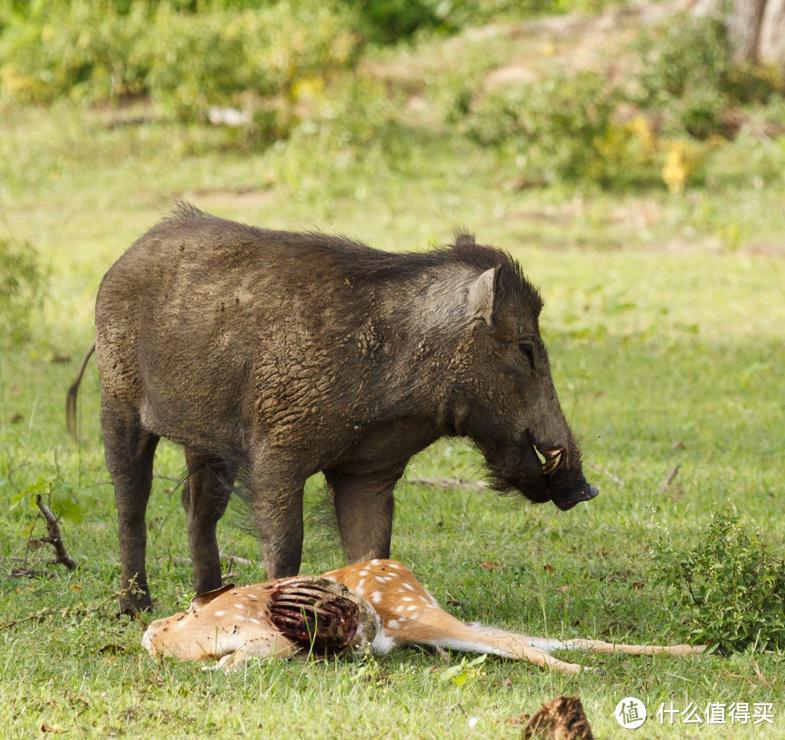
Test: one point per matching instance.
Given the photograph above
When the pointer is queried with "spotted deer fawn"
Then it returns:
(378, 603)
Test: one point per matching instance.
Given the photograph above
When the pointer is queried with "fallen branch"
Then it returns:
(30, 573)
(80, 610)
(449, 483)
(607, 473)
(38, 615)
(226, 557)
(236, 558)
(671, 477)
(54, 538)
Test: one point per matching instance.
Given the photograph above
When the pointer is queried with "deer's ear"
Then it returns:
(207, 596)
(482, 295)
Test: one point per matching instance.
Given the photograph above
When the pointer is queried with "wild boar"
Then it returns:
(284, 354)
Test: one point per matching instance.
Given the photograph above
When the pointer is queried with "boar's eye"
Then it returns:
(527, 350)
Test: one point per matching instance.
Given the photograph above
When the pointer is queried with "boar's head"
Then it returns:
(499, 390)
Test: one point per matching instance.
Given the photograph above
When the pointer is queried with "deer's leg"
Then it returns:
(364, 509)
(205, 496)
(129, 450)
(266, 647)
(600, 646)
(549, 645)
(453, 634)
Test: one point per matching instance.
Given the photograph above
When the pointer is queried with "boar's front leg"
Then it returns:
(364, 508)
(205, 496)
(277, 496)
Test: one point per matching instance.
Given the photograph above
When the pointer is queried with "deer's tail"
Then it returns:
(73, 393)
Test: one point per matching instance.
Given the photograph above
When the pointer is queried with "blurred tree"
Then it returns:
(771, 37)
(756, 28)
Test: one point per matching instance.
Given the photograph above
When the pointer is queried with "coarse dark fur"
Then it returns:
(286, 354)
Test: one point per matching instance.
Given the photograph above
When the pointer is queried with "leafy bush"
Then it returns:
(86, 51)
(690, 53)
(687, 71)
(660, 125)
(186, 61)
(388, 21)
(21, 290)
(730, 587)
(563, 128)
(246, 57)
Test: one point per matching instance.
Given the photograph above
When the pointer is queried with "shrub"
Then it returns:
(688, 53)
(388, 21)
(660, 125)
(247, 57)
(563, 128)
(687, 71)
(187, 61)
(730, 587)
(21, 290)
(85, 51)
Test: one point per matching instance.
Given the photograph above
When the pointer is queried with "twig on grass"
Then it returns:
(54, 538)
(64, 612)
(607, 473)
(226, 557)
(671, 477)
(449, 483)
(236, 559)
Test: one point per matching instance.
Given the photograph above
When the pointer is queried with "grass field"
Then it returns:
(666, 337)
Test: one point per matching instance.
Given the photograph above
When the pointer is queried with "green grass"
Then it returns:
(661, 331)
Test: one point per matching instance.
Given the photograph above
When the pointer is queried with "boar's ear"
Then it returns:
(482, 295)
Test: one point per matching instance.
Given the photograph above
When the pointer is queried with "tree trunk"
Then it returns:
(771, 41)
(756, 28)
(743, 24)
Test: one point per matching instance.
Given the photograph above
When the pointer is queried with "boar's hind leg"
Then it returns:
(364, 508)
(205, 496)
(129, 451)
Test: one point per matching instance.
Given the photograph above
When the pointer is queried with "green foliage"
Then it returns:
(86, 52)
(563, 128)
(21, 290)
(730, 586)
(689, 54)
(388, 21)
(58, 494)
(250, 57)
(687, 71)
(186, 61)
(467, 670)
(659, 125)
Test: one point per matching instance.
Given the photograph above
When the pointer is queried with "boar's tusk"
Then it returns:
(552, 460)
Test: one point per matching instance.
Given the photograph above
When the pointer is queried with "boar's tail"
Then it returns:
(73, 392)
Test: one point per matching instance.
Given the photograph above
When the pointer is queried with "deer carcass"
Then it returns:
(378, 604)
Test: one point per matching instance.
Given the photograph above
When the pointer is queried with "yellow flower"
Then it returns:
(680, 161)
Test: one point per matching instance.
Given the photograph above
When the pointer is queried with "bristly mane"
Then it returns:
(182, 210)
(360, 262)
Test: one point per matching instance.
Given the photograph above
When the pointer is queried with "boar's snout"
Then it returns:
(557, 477)
(586, 493)
(567, 486)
